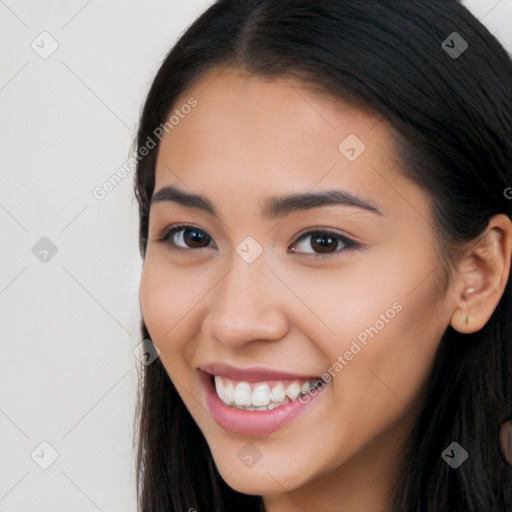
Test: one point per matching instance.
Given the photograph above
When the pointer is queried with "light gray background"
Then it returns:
(69, 325)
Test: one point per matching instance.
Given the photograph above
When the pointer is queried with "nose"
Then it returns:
(248, 304)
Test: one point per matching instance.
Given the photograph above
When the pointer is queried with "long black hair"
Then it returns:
(447, 98)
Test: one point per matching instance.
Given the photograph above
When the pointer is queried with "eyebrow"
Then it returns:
(274, 207)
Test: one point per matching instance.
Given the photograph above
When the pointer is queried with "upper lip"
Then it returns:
(250, 374)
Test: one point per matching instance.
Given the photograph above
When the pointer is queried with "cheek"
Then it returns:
(386, 290)
(167, 298)
(166, 302)
(387, 322)
(154, 297)
(366, 293)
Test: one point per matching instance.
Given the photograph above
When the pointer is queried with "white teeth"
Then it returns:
(226, 391)
(261, 398)
(293, 390)
(219, 386)
(261, 395)
(243, 394)
(278, 394)
(229, 393)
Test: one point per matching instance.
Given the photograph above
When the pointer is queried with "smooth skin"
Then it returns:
(249, 139)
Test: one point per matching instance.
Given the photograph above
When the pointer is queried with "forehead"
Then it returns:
(248, 136)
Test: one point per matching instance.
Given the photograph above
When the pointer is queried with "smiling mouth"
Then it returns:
(261, 396)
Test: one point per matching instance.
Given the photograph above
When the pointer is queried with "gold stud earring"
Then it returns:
(466, 318)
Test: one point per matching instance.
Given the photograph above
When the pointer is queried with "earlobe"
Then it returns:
(472, 297)
(465, 318)
(483, 275)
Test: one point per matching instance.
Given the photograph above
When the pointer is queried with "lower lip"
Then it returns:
(250, 422)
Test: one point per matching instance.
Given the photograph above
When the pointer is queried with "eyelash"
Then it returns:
(167, 235)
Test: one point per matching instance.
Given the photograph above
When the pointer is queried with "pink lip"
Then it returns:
(252, 374)
(256, 423)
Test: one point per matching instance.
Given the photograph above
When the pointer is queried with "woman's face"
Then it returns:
(245, 293)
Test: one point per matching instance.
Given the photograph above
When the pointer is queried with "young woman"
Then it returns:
(325, 222)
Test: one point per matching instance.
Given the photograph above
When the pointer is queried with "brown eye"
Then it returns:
(323, 243)
(189, 237)
(195, 237)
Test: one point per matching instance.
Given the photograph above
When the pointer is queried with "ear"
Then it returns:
(483, 272)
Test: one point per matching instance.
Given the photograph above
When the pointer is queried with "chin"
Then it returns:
(264, 478)
(260, 483)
